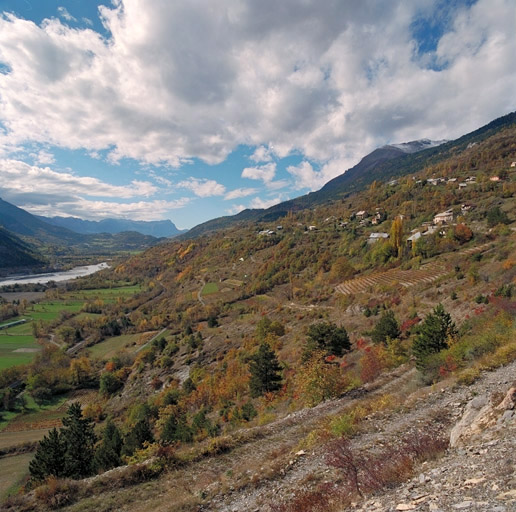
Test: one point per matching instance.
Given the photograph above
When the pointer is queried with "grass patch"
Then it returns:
(13, 471)
(9, 345)
(210, 288)
(107, 294)
(109, 347)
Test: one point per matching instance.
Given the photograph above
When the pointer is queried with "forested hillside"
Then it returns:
(197, 355)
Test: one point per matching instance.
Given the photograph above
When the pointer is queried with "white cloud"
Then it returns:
(203, 187)
(18, 178)
(264, 173)
(305, 176)
(265, 203)
(63, 12)
(96, 210)
(43, 157)
(181, 80)
(261, 154)
(236, 208)
(240, 192)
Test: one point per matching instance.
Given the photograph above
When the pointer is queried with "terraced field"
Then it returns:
(397, 277)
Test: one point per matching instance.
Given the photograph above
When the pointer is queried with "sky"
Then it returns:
(193, 109)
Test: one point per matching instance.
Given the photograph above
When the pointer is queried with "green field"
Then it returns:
(109, 347)
(106, 294)
(210, 288)
(13, 471)
(16, 349)
(49, 311)
(17, 344)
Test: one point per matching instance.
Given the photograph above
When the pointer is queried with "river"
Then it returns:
(65, 275)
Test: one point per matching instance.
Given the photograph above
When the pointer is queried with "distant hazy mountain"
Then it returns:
(24, 223)
(36, 231)
(157, 228)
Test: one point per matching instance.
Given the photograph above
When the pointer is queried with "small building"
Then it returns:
(452, 180)
(392, 183)
(495, 178)
(362, 214)
(413, 238)
(513, 164)
(471, 179)
(374, 237)
(312, 228)
(466, 207)
(279, 228)
(444, 217)
(462, 185)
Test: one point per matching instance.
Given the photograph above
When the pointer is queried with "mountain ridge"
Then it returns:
(382, 164)
(156, 228)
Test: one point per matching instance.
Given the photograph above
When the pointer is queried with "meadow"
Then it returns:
(17, 343)
(109, 347)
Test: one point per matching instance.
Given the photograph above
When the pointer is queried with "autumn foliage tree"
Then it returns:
(462, 233)
(396, 236)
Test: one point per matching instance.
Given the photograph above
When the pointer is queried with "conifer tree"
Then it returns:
(265, 371)
(387, 327)
(140, 433)
(79, 439)
(49, 457)
(107, 454)
(176, 429)
(433, 335)
(329, 337)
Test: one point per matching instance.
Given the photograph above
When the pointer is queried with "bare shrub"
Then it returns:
(56, 493)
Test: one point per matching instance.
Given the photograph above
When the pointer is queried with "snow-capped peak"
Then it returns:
(416, 145)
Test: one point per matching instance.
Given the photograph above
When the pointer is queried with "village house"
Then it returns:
(462, 185)
(374, 237)
(362, 214)
(495, 178)
(513, 164)
(378, 217)
(466, 207)
(413, 238)
(312, 228)
(444, 217)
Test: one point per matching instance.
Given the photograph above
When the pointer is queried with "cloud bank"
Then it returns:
(184, 80)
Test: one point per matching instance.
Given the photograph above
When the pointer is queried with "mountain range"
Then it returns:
(383, 164)
(157, 228)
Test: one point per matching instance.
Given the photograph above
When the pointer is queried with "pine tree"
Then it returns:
(140, 433)
(265, 371)
(176, 429)
(329, 337)
(49, 457)
(387, 327)
(107, 454)
(433, 335)
(79, 439)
